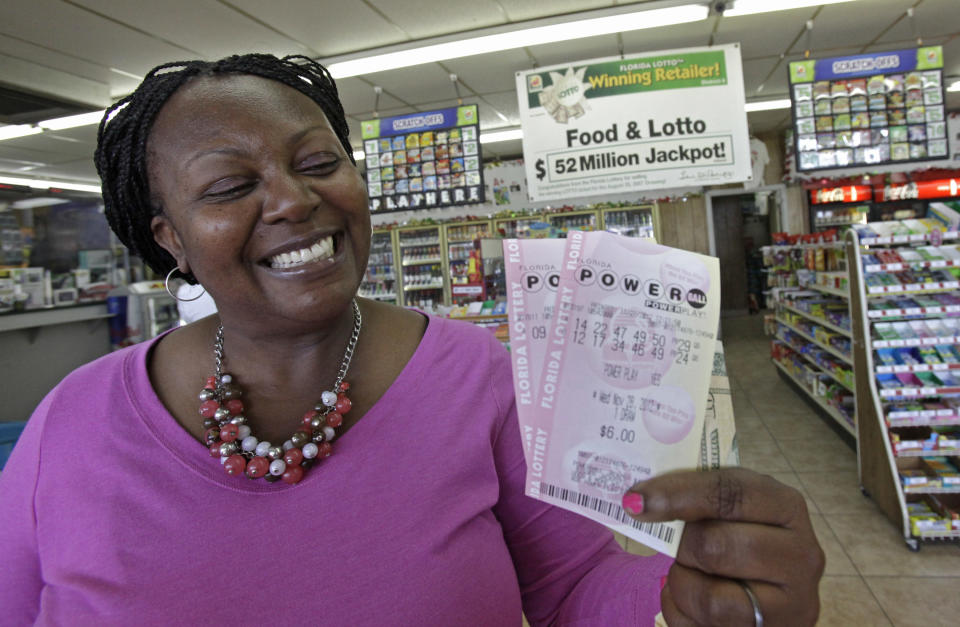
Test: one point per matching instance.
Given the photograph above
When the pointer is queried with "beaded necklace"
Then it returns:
(229, 437)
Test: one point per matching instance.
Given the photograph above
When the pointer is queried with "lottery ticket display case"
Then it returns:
(905, 304)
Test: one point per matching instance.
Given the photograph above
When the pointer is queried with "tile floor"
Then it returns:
(871, 577)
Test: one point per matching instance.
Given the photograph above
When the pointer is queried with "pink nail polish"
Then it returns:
(633, 503)
(663, 583)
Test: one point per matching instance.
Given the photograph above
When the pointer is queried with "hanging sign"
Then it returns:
(869, 109)
(849, 193)
(423, 160)
(656, 121)
(921, 190)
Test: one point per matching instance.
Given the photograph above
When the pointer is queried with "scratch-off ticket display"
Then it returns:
(625, 376)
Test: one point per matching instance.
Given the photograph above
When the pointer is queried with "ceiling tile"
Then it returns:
(326, 27)
(933, 18)
(422, 19)
(520, 10)
(357, 95)
(832, 26)
(416, 85)
(490, 72)
(679, 36)
(566, 52)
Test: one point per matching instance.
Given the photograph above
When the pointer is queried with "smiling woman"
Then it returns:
(193, 475)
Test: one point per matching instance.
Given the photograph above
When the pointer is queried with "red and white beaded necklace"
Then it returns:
(229, 438)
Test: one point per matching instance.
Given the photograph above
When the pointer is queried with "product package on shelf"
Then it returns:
(905, 303)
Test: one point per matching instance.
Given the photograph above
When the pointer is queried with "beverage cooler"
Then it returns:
(141, 311)
(464, 260)
(518, 227)
(566, 221)
(423, 267)
(380, 280)
(639, 221)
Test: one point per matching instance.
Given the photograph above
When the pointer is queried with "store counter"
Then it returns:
(39, 347)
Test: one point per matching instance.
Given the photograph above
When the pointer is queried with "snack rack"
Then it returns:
(463, 254)
(380, 280)
(811, 343)
(905, 310)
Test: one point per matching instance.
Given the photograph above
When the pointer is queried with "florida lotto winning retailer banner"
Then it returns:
(662, 120)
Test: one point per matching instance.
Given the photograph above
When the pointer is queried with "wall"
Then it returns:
(33, 361)
(683, 224)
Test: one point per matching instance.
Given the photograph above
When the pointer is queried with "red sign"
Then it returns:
(920, 190)
(850, 193)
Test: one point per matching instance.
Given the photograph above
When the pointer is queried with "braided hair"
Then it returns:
(121, 155)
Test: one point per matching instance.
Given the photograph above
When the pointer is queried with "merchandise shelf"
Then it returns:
(917, 341)
(419, 262)
(914, 288)
(845, 358)
(877, 453)
(912, 311)
(417, 288)
(818, 320)
(916, 368)
(378, 296)
(919, 238)
(432, 242)
(813, 362)
(832, 291)
(929, 453)
(828, 408)
(908, 265)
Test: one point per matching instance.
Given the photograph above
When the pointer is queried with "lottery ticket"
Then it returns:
(532, 269)
(625, 374)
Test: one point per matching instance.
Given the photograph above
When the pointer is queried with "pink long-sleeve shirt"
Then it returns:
(111, 514)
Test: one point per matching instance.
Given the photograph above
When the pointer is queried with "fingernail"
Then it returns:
(633, 503)
(663, 583)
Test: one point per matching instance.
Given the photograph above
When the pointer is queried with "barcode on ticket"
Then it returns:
(658, 530)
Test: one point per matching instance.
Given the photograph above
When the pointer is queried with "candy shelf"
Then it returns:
(807, 294)
(905, 315)
(833, 351)
(423, 267)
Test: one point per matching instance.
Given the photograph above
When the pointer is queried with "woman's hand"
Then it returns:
(742, 528)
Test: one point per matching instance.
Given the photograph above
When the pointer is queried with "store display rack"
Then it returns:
(380, 278)
(905, 311)
(811, 343)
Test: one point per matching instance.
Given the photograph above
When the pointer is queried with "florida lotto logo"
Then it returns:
(657, 295)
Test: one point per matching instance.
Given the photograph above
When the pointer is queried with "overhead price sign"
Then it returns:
(662, 120)
(423, 160)
(869, 109)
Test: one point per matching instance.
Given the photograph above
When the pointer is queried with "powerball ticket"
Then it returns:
(625, 376)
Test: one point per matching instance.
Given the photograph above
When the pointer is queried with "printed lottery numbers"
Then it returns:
(681, 351)
(656, 347)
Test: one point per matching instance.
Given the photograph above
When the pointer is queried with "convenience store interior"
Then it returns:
(783, 298)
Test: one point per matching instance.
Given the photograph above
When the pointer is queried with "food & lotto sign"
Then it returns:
(670, 119)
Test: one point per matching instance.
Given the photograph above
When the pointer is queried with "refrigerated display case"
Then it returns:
(639, 221)
(423, 266)
(380, 280)
(464, 260)
(565, 221)
(511, 228)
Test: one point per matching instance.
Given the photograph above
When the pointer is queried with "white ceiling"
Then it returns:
(91, 52)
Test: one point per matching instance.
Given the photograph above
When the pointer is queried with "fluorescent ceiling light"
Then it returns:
(954, 86)
(767, 105)
(33, 203)
(72, 121)
(359, 155)
(18, 130)
(501, 136)
(752, 7)
(519, 38)
(46, 184)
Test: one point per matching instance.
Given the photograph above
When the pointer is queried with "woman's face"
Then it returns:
(259, 199)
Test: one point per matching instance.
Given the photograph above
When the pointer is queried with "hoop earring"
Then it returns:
(166, 285)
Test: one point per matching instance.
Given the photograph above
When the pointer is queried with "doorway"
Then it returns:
(741, 223)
